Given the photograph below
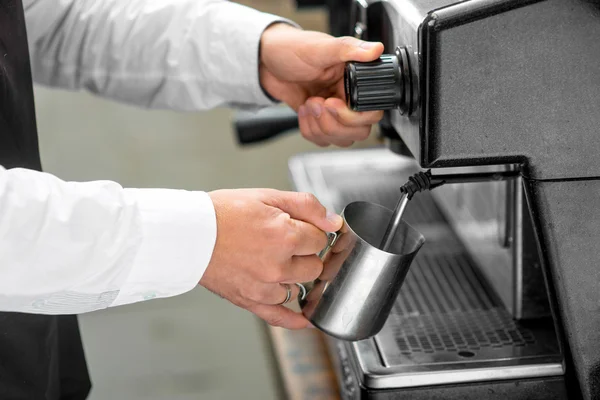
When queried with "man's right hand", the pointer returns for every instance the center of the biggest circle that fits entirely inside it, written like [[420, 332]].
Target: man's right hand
[[266, 238]]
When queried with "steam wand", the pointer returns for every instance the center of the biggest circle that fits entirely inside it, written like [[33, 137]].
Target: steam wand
[[426, 181]]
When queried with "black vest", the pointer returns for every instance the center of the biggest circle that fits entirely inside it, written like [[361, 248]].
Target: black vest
[[41, 357]]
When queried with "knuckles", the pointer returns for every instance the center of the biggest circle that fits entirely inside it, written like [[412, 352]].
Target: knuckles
[[308, 200], [291, 242], [315, 269], [253, 293], [270, 272], [275, 230], [330, 130], [348, 41], [274, 275]]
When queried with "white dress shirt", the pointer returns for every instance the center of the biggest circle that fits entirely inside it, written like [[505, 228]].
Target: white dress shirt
[[70, 247]]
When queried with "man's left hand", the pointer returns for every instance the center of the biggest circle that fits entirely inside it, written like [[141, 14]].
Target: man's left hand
[[305, 69]]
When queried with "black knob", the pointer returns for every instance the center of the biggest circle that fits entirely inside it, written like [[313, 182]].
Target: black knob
[[383, 84], [375, 85]]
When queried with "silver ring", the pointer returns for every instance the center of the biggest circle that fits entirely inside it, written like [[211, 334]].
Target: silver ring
[[288, 296], [302, 293]]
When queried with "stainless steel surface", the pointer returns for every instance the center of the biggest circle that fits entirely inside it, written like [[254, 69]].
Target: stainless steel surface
[[448, 325], [390, 232], [373, 374], [493, 222], [354, 295]]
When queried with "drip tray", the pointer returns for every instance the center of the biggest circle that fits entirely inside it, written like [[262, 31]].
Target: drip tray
[[446, 327]]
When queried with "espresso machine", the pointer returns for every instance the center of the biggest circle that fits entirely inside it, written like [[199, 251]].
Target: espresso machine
[[503, 301]]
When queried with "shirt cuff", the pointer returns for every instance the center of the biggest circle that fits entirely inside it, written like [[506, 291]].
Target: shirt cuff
[[271, 98], [242, 32], [179, 231]]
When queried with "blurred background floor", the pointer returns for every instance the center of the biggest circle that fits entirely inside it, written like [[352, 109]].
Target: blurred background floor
[[195, 346]]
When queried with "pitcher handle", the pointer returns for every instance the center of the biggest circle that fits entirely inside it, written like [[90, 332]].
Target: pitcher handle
[[331, 240], [306, 287]]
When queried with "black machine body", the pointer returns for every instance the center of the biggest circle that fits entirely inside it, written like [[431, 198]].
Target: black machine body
[[505, 82]]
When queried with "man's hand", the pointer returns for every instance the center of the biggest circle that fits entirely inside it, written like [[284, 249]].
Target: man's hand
[[306, 70], [266, 238]]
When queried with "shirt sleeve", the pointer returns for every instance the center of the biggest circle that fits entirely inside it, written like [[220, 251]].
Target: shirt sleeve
[[70, 247], [183, 55]]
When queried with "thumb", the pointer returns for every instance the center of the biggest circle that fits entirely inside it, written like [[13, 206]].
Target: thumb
[[335, 50], [306, 207]]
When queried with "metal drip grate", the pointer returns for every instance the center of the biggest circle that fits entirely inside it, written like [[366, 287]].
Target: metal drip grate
[[457, 332], [443, 307]]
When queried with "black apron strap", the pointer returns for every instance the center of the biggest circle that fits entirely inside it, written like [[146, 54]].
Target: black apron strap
[[29, 357], [73, 371], [41, 356]]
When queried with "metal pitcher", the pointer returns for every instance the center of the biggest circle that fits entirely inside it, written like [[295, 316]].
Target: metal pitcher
[[354, 295]]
